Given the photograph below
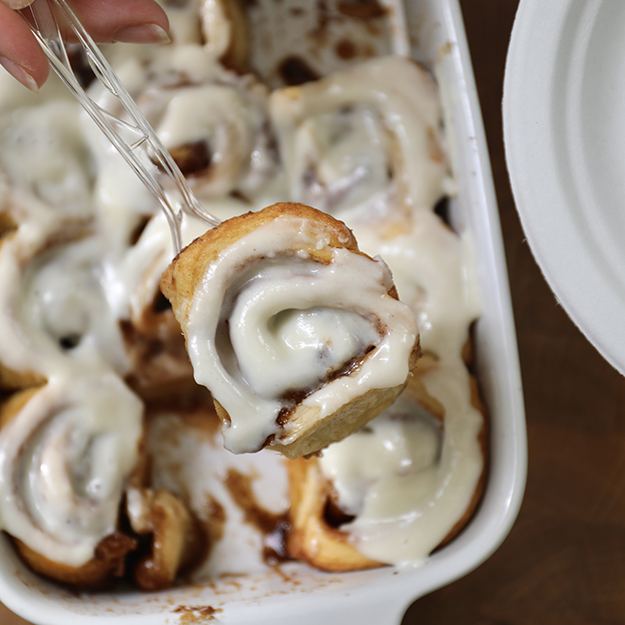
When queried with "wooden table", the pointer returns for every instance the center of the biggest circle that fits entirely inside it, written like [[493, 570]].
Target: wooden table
[[564, 561]]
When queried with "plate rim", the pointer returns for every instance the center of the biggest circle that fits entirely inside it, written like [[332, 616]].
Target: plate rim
[[527, 71]]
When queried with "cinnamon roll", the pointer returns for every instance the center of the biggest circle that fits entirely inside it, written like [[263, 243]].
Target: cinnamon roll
[[392, 493], [52, 299], [298, 335], [32, 140], [214, 123], [365, 142], [66, 452]]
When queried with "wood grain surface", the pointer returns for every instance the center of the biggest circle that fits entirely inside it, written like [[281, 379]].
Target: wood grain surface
[[564, 561]]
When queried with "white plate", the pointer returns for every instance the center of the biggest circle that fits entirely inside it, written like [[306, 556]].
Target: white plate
[[380, 596], [564, 119]]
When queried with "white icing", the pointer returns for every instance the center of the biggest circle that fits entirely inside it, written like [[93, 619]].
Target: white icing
[[247, 374], [216, 26], [406, 441], [306, 343], [64, 460], [362, 142], [423, 478], [52, 298], [42, 151]]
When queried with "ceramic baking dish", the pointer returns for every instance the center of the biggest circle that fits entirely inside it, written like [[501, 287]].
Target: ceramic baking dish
[[296, 593]]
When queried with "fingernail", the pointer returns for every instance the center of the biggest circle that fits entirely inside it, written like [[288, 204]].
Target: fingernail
[[17, 71], [145, 33]]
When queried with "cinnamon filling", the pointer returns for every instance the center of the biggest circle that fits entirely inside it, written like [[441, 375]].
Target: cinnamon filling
[[274, 527], [294, 70], [295, 397], [192, 158]]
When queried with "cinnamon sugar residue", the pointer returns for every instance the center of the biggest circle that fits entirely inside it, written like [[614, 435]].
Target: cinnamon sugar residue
[[195, 614], [273, 526], [362, 9], [294, 70], [215, 520], [345, 49]]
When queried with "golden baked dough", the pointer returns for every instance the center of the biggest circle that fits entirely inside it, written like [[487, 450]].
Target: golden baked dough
[[311, 538], [108, 563], [176, 540]]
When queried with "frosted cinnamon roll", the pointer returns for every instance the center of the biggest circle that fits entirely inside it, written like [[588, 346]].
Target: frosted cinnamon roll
[[66, 452], [363, 142], [298, 335], [51, 298], [43, 153], [214, 123], [392, 493]]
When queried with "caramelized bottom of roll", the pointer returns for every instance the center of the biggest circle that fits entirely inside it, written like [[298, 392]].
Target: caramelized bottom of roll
[[315, 539], [160, 367], [107, 564]]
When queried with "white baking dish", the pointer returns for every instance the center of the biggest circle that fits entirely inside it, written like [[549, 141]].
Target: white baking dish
[[377, 597]]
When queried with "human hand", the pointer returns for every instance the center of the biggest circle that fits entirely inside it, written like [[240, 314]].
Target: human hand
[[139, 21]]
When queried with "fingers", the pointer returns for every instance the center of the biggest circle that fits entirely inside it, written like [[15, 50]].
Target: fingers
[[18, 4], [139, 21], [20, 54]]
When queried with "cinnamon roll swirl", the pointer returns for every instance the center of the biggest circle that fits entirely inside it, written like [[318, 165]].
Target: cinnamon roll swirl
[[52, 298], [66, 452], [364, 142], [298, 335], [214, 123], [32, 140]]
